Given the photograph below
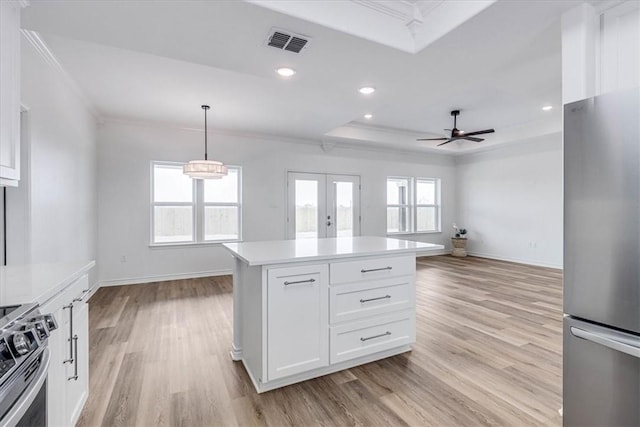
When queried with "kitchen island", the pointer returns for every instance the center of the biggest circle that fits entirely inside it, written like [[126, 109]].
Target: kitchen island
[[308, 307]]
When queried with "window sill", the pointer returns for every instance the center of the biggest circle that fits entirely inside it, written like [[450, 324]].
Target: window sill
[[410, 233], [190, 244]]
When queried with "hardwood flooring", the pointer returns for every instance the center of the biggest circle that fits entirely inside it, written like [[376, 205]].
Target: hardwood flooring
[[488, 352]]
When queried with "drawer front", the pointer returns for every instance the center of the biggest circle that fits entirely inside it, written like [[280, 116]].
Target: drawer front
[[367, 337], [360, 300], [372, 269]]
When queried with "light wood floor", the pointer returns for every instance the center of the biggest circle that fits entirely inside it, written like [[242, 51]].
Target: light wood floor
[[488, 352]]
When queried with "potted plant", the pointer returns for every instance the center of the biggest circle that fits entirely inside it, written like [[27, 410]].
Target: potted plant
[[459, 242]]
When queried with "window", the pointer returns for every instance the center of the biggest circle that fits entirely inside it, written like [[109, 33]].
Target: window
[[185, 210], [413, 205]]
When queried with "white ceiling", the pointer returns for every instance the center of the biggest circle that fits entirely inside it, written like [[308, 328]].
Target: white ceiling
[[159, 61]]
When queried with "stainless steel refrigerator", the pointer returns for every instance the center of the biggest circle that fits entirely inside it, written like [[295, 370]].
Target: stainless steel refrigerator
[[601, 349]]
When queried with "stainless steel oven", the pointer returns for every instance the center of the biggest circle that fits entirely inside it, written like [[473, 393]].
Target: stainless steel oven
[[24, 363]]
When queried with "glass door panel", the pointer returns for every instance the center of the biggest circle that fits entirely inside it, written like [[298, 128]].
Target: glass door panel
[[306, 202], [343, 219], [321, 205]]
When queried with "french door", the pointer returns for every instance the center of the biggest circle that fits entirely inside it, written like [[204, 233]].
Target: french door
[[322, 205]]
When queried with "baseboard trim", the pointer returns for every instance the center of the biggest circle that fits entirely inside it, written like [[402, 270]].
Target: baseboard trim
[[516, 260], [163, 278], [432, 253]]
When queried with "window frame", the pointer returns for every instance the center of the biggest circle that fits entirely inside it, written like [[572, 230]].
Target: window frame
[[198, 208], [412, 185], [408, 205], [436, 205]]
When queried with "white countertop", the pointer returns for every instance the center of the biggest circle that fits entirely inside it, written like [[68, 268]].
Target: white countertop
[[38, 282], [286, 251]]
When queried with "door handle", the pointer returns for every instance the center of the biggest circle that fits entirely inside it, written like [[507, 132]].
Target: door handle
[[75, 365], [607, 341], [70, 308]]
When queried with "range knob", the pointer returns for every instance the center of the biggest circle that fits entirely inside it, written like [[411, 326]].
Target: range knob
[[20, 343]]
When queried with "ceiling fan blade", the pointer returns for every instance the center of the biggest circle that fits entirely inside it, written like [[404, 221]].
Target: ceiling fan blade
[[446, 142], [470, 138], [431, 139], [479, 132]]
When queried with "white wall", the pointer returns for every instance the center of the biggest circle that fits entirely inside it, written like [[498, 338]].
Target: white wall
[[55, 203], [510, 200], [125, 151]]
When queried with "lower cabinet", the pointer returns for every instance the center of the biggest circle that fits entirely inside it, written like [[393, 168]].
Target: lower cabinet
[[68, 379], [298, 329]]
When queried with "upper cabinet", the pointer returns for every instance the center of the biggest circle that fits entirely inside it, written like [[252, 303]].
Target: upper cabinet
[[620, 40], [10, 92]]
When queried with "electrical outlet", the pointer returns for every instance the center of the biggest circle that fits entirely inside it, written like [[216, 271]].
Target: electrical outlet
[[123, 258]]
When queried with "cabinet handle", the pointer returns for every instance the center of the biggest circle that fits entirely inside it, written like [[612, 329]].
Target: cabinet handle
[[375, 269], [81, 297], [297, 282], [375, 299], [375, 336], [70, 308], [75, 365]]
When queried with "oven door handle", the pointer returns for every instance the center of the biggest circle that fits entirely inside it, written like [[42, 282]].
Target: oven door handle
[[23, 404]]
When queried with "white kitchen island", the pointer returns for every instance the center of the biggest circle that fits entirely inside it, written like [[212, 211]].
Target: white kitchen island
[[308, 307]]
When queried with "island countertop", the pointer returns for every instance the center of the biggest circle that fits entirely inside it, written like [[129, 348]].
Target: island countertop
[[299, 250], [37, 283]]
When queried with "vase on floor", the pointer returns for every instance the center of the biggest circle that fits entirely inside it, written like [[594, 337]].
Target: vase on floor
[[459, 246]]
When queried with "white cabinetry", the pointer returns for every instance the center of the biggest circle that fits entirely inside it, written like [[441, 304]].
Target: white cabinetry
[[9, 92], [309, 307], [68, 380], [372, 306], [297, 320], [620, 47]]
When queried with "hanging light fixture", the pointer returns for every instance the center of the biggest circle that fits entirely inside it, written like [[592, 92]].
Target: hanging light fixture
[[205, 169]]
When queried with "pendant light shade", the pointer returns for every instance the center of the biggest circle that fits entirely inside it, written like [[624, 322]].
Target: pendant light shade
[[205, 169]]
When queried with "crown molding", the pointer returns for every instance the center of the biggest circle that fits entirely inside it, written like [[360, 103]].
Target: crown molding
[[47, 54]]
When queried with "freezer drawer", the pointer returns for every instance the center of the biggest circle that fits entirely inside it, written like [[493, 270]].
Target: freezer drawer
[[601, 376]]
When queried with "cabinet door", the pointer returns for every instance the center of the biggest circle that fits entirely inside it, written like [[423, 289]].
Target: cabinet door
[[9, 91], [78, 373], [57, 376], [297, 320]]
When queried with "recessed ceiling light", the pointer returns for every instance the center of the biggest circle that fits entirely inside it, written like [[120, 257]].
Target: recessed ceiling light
[[368, 116], [367, 90], [286, 72], [547, 107]]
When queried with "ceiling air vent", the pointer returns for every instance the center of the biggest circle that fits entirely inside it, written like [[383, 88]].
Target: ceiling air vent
[[286, 40]]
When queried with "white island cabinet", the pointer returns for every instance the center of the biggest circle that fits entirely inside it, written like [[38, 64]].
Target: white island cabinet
[[306, 308]]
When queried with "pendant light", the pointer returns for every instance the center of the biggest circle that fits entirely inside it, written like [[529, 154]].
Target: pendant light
[[205, 169]]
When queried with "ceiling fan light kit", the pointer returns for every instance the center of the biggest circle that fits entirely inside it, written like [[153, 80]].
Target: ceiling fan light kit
[[205, 169], [457, 134]]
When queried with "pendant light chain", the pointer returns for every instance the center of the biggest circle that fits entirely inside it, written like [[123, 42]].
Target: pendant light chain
[[205, 108]]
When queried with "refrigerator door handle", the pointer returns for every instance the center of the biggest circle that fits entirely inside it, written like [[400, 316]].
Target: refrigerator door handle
[[607, 340]]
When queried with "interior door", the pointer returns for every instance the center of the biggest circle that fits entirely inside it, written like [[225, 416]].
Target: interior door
[[322, 205]]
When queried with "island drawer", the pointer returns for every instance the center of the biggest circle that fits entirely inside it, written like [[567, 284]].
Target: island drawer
[[371, 269], [362, 338], [360, 300]]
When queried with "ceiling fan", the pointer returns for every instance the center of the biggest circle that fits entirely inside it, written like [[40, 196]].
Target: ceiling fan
[[457, 134]]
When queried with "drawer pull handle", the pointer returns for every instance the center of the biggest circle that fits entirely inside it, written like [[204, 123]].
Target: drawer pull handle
[[375, 336], [375, 299], [297, 282], [375, 269]]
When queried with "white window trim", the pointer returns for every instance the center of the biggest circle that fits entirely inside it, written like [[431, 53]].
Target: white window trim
[[413, 206], [408, 206], [198, 206], [437, 205]]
